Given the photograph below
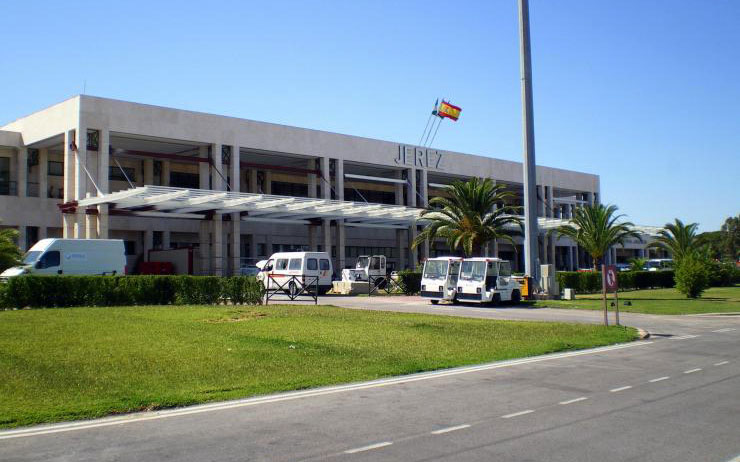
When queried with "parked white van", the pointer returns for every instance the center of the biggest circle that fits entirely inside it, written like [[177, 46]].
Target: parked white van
[[487, 280], [305, 266], [71, 257], [439, 279]]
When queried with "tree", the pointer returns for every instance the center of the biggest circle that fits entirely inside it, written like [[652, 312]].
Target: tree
[[475, 213], [10, 254], [595, 228], [731, 238], [679, 239], [637, 264], [692, 275]]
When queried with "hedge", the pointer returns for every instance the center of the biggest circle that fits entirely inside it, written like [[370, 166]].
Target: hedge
[[590, 282], [65, 291], [409, 281]]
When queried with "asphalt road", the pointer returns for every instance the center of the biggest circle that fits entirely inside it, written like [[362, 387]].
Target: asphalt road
[[674, 397]]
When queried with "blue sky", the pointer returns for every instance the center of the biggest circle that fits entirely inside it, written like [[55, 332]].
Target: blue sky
[[645, 93]]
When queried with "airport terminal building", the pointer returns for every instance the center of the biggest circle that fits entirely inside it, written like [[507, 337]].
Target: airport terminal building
[[237, 190]]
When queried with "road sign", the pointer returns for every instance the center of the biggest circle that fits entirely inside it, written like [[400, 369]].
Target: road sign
[[609, 276]]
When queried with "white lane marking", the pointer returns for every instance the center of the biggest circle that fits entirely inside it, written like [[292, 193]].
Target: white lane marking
[[659, 379], [289, 396], [691, 371], [369, 447], [517, 414], [575, 400], [614, 390], [721, 363], [450, 429], [726, 329], [684, 337]]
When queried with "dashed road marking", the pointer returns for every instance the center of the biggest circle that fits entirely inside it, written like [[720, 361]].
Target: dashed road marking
[[369, 447], [614, 390], [691, 371], [726, 329], [659, 379], [684, 337], [575, 400], [721, 363], [450, 429], [517, 414]]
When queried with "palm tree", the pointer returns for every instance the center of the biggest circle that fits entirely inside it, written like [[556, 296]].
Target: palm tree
[[637, 264], [595, 228], [679, 239], [10, 254], [475, 213]]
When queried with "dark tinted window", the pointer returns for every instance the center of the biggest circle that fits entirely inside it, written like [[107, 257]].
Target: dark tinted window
[[50, 259], [295, 264], [312, 264], [55, 168], [325, 264]]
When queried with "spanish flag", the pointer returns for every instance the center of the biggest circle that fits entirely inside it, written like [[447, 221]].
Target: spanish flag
[[448, 110]]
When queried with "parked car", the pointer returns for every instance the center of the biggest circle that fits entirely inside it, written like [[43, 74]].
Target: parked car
[[622, 267], [292, 270], [659, 264], [72, 256]]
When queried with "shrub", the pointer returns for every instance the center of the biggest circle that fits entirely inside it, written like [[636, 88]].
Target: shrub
[[721, 274], [409, 281], [590, 282], [65, 291], [692, 276]]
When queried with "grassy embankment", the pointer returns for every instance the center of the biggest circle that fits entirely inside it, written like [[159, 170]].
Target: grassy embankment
[[62, 364]]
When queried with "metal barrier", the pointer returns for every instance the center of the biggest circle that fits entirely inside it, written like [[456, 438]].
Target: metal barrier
[[293, 287], [384, 283]]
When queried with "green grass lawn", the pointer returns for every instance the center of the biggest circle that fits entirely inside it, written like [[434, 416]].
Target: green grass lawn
[[659, 301], [61, 364]]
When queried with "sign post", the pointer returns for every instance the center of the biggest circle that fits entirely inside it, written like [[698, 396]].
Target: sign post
[[609, 284]]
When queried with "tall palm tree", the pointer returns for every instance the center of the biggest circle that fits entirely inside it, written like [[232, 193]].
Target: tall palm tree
[[595, 228], [10, 254], [677, 238], [474, 214]]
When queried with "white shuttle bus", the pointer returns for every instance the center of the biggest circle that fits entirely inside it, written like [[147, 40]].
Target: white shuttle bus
[[72, 257], [487, 280], [278, 270], [439, 279]]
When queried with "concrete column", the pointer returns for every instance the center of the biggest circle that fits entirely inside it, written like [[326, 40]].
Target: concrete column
[[541, 202], [399, 188], [236, 243], [326, 177], [495, 248], [217, 169], [217, 247], [413, 254], [341, 243], [148, 243], [91, 226], [43, 179], [148, 171], [204, 238], [22, 166], [80, 180], [236, 223], [166, 170], [326, 232], [166, 240], [311, 165], [22, 238], [411, 187], [68, 219], [253, 186], [268, 182], [553, 252], [424, 190], [204, 170], [313, 242], [400, 239], [550, 202]]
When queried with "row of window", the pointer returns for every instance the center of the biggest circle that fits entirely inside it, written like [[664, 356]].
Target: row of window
[[294, 264]]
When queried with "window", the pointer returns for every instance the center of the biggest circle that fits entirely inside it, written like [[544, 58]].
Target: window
[[49, 260], [281, 264], [281, 188], [261, 248], [5, 176], [185, 180], [115, 174], [129, 247], [325, 265], [312, 264], [295, 264], [55, 168], [505, 269]]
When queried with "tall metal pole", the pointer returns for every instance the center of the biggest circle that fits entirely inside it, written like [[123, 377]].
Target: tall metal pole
[[531, 245]]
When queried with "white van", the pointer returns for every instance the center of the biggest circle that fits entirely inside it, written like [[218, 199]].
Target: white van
[[487, 280], [439, 279], [305, 266], [72, 256]]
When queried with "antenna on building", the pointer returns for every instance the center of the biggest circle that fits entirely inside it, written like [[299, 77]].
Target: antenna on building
[[84, 86]]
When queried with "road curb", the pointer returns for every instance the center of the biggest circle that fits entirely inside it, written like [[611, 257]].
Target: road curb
[[642, 333]]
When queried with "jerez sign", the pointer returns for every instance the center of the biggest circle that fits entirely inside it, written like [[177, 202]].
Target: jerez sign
[[419, 158]]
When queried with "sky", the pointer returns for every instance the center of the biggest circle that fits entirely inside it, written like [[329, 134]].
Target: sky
[[644, 93]]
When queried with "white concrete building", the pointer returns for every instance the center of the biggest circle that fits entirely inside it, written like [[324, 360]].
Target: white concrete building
[[89, 147]]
